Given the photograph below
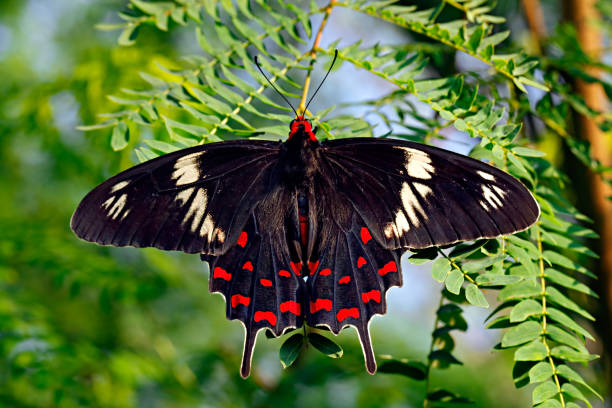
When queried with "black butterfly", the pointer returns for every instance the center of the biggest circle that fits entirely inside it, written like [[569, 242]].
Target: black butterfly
[[304, 231]]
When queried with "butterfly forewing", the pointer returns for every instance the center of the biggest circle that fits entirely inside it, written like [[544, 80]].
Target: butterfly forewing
[[193, 200], [415, 196]]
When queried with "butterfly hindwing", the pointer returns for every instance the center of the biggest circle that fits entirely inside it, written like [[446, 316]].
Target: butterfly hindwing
[[350, 272], [415, 196], [259, 281], [193, 200]]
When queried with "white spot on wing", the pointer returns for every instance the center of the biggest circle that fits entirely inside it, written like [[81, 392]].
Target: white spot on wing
[[108, 202], [423, 190], [220, 234], [491, 197], [117, 207], [499, 192], [486, 175], [184, 195], [207, 227], [196, 209], [412, 204], [119, 186], [417, 163], [388, 230], [401, 222], [186, 169]]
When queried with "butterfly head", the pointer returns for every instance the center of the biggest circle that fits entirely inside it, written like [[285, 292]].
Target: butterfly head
[[300, 125]]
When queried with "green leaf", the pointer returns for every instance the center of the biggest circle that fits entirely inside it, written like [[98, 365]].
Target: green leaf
[[454, 281], [551, 403], [102, 125], [475, 295], [423, 256], [120, 137], [544, 391], [524, 332], [527, 152], [451, 315], [477, 266], [519, 290], [571, 375], [290, 349], [567, 281], [557, 259], [562, 337], [525, 309], [463, 250], [128, 35], [440, 269], [520, 373], [475, 38], [443, 359], [560, 299], [410, 369], [534, 351], [446, 397], [494, 279], [325, 345], [568, 354], [540, 372], [161, 146], [571, 390], [567, 321]]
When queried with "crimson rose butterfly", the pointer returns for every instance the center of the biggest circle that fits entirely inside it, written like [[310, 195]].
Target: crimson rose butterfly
[[304, 231]]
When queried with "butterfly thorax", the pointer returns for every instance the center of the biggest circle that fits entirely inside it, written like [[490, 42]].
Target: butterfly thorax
[[298, 155]]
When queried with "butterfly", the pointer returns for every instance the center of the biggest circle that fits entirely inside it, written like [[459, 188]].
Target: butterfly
[[304, 231]]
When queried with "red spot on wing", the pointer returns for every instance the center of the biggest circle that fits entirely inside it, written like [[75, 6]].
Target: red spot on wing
[[248, 265], [344, 313], [389, 267], [320, 304], [242, 240], [365, 235], [361, 261], [285, 273], [344, 280], [297, 267], [269, 316], [291, 306], [371, 295], [240, 300], [304, 230], [221, 273], [265, 282], [312, 266], [325, 272]]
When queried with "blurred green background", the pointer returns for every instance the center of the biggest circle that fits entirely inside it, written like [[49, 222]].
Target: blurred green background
[[84, 325]]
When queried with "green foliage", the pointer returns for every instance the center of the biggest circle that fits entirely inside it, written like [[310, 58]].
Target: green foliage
[[539, 280]]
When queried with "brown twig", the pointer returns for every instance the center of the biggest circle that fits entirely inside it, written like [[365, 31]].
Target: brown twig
[[313, 55], [535, 21], [583, 14]]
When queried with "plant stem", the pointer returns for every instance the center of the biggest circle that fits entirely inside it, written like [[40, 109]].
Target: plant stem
[[431, 349], [313, 55], [543, 286]]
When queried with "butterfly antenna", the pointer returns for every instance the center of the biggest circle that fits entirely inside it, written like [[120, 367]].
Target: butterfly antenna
[[324, 78], [271, 84]]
